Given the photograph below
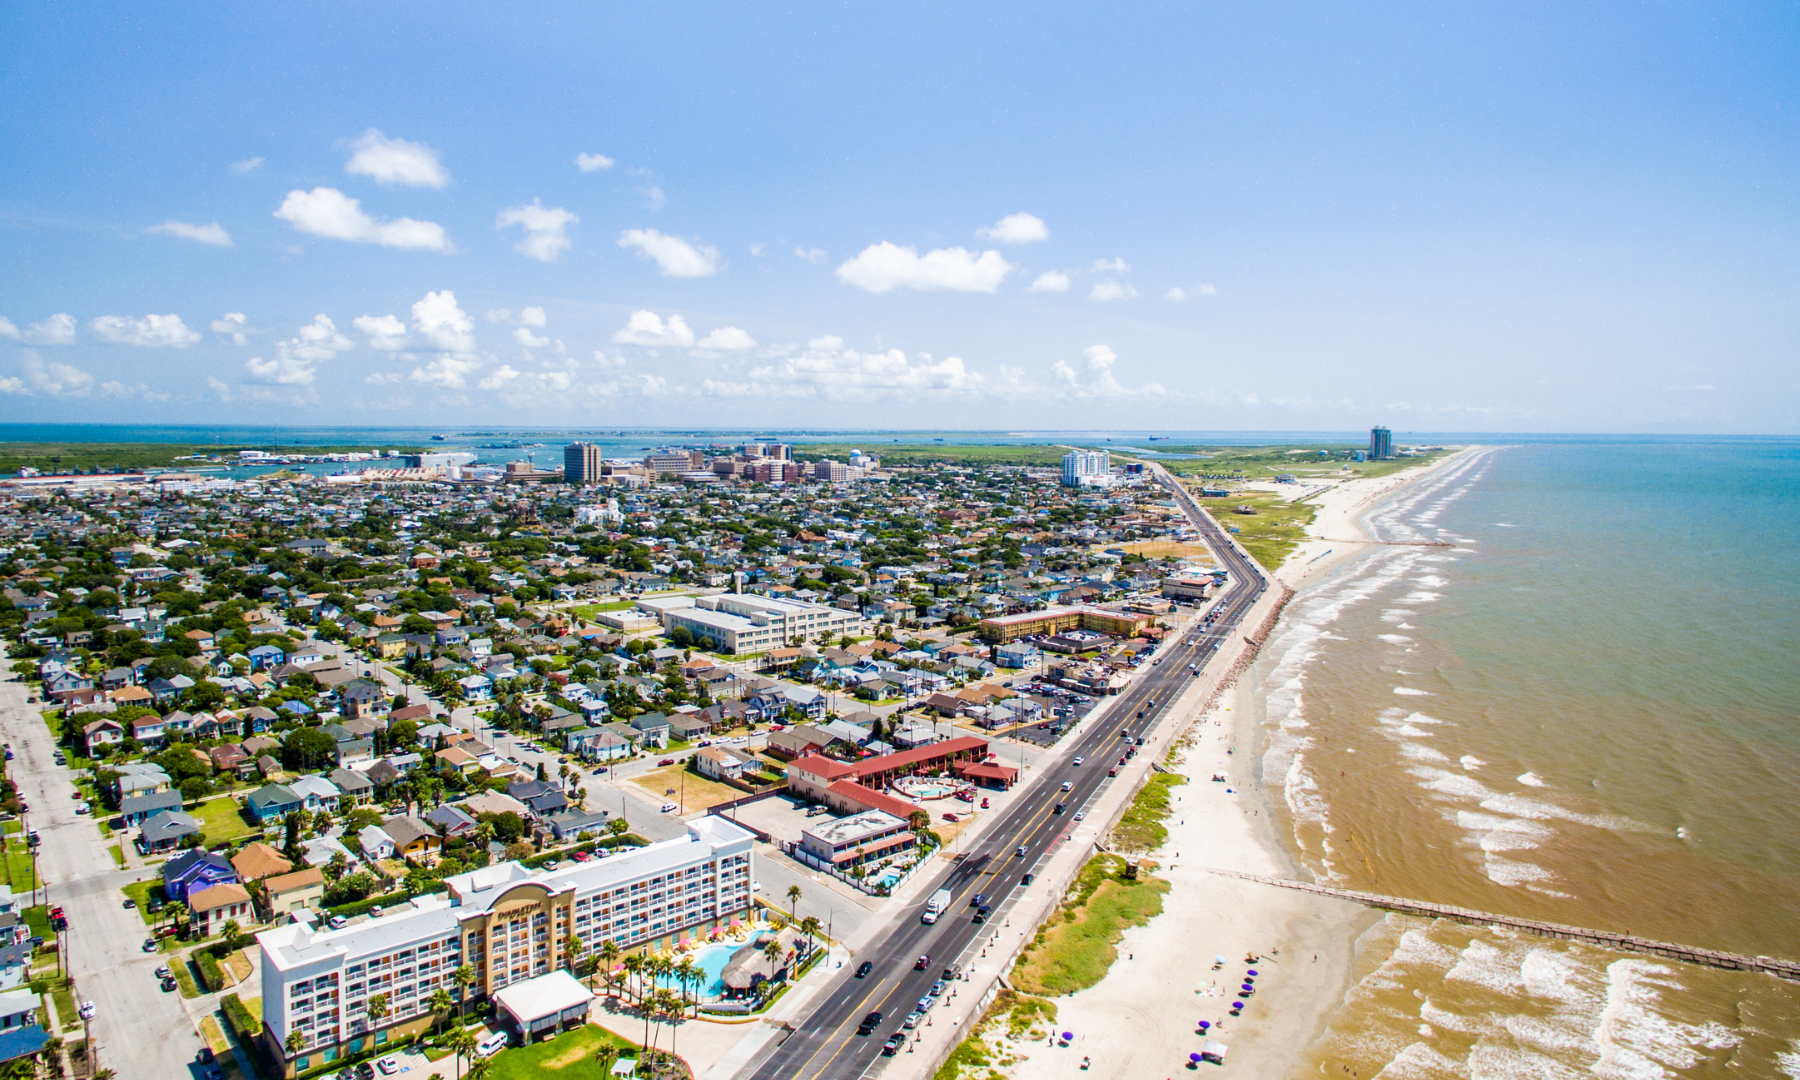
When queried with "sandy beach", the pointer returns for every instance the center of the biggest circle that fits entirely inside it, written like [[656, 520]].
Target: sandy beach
[[1143, 1019]]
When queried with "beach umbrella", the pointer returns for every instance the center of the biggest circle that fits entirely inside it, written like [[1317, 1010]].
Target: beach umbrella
[[1204, 1024], [1218, 959], [1252, 971], [1193, 1057], [1067, 1036]]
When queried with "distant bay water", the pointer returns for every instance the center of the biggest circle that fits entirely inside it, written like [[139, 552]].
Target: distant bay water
[[1584, 710]]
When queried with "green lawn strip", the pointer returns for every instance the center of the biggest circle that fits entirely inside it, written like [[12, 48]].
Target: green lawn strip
[[221, 820], [1140, 827], [588, 611], [143, 892], [118, 854], [18, 870], [569, 1055], [1075, 947], [184, 978], [13, 826], [37, 919]]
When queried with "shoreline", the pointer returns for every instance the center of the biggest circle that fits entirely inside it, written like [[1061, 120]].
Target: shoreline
[[1142, 1017]]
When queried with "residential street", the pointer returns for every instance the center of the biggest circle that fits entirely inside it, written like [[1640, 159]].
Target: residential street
[[139, 1030]]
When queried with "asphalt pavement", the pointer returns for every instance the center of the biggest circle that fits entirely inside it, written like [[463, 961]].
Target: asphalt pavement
[[824, 1045], [139, 1030]]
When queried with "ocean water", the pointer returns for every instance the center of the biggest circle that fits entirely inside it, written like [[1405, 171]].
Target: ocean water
[[1585, 708]]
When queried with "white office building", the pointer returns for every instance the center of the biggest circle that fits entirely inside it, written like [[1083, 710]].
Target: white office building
[[1082, 468], [736, 623], [508, 922]]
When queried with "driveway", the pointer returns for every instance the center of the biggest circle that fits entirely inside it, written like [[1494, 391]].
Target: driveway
[[138, 1029]]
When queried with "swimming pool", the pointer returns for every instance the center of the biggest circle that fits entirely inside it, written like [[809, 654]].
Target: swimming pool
[[711, 959], [886, 879], [925, 788]]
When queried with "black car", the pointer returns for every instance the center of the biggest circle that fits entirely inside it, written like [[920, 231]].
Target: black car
[[365, 1071], [863, 969], [1026, 880], [168, 985], [1059, 807], [869, 1023]]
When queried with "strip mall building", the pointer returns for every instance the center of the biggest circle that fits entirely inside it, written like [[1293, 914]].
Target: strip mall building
[[1055, 620]]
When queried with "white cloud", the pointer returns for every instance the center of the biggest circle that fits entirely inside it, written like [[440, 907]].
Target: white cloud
[[330, 213], [248, 165], [605, 360], [811, 255], [219, 388], [499, 314], [151, 331], [885, 266], [525, 337], [534, 316], [675, 256], [1098, 379], [593, 162], [727, 339], [648, 328], [385, 332], [231, 325], [1112, 290], [500, 377], [654, 199], [395, 161], [317, 340], [1020, 228], [58, 329], [546, 229], [443, 323], [50, 380], [830, 371], [447, 372], [124, 392], [1051, 281], [210, 233], [1111, 266], [7, 329], [1179, 293], [283, 370]]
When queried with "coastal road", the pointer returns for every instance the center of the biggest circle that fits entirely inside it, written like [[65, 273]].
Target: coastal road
[[824, 1044]]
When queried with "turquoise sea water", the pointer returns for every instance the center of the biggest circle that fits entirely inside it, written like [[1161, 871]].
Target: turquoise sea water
[[1586, 709]]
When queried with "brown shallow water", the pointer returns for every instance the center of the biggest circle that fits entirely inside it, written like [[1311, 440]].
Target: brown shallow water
[[1541, 721]]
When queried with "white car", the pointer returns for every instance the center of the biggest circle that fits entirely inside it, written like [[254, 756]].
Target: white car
[[82, 808], [669, 808], [388, 1066], [1078, 761], [1068, 784]]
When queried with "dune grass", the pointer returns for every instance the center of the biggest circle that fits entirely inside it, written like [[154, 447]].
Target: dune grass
[[1075, 947]]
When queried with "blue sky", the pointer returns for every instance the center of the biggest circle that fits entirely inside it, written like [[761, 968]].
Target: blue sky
[[1522, 217]]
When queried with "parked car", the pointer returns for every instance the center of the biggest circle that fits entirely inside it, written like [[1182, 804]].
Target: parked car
[[912, 1020], [388, 1066], [82, 807], [164, 972], [669, 808], [168, 985], [893, 1044], [149, 944], [863, 969], [665, 761]]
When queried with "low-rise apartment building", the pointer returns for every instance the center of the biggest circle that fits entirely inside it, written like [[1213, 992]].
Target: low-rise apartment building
[[508, 922], [736, 623]]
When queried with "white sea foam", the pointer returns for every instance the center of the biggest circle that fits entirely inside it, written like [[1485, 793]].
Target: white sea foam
[[1408, 691], [1788, 1061], [1471, 762], [1531, 779], [1395, 639], [1637, 1041]]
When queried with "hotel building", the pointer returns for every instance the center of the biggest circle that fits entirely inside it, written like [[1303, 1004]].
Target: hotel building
[[507, 922]]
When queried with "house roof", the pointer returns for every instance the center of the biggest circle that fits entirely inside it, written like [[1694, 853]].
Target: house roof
[[217, 896], [168, 825], [258, 861], [294, 882]]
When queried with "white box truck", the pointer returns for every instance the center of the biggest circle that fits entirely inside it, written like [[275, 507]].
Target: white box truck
[[937, 905]]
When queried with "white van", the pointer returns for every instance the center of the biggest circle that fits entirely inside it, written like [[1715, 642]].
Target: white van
[[492, 1043]]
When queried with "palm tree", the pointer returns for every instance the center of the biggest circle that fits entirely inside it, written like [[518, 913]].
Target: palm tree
[[571, 951], [480, 1067], [376, 1008], [669, 1004], [463, 977], [441, 1004], [462, 1044], [690, 974], [793, 895], [810, 927], [605, 1057], [633, 965], [609, 956], [296, 1041]]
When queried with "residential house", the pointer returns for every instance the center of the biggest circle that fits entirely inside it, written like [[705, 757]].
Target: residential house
[[231, 758], [165, 830], [459, 759], [689, 726], [476, 688], [272, 802], [136, 809], [572, 823], [652, 728], [15, 965], [214, 906], [376, 843], [148, 731], [102, 733], [297, 891], [193, 871], [257, 861], [411, 837], [544, 797], [453, 820], [265, 658], [20, 1032], [719, 763], [365, 699], [598, 744], [797, 741], [354, 788]]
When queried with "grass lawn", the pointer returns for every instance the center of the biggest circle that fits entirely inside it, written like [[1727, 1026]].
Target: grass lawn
[[1162, 549], [37, 919], [569, 1055], [142, 891], [1140, 827], [220, 820], [118, 855], [1075, 947], [1269, 535], [18, 868], [64, 995], [693, 792], [588, 611], [13, 826], [184, 977]]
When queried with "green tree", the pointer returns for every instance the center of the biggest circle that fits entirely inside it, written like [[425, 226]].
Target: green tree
[[441, 1004], [609, 962], [376, 1007], [793, 895], [463, 977]]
